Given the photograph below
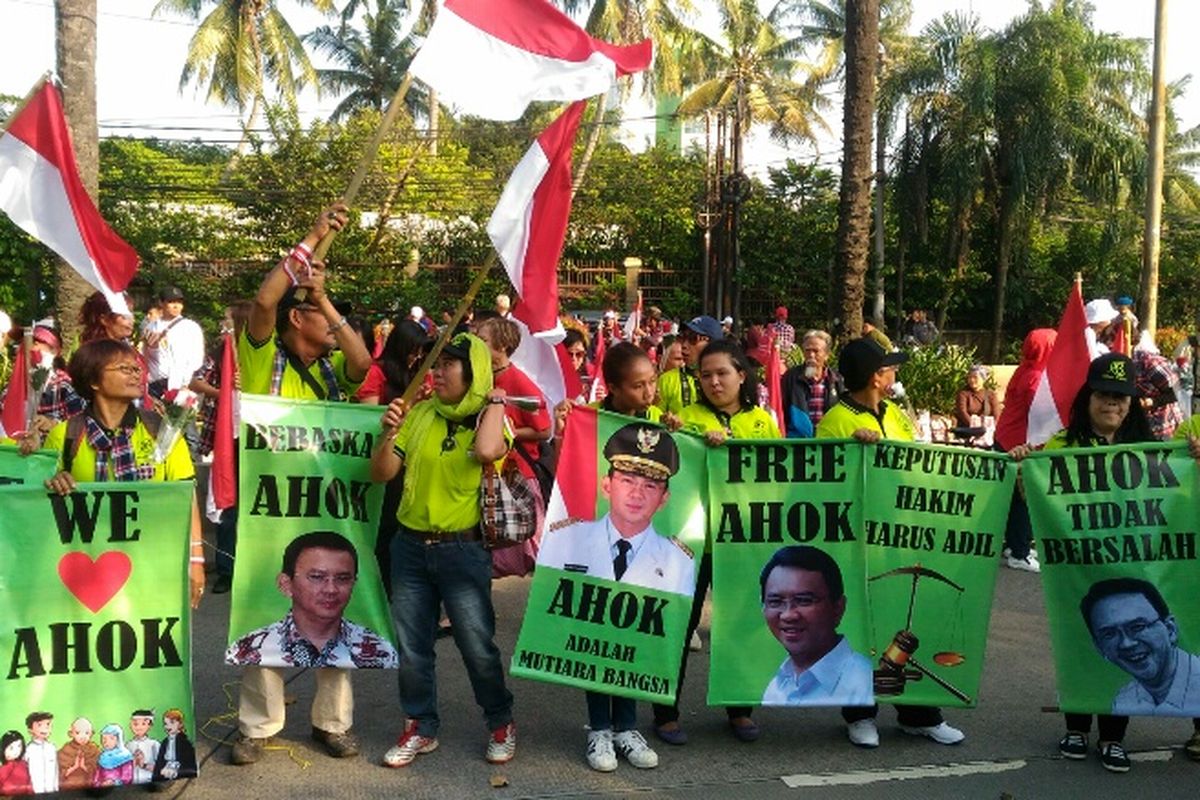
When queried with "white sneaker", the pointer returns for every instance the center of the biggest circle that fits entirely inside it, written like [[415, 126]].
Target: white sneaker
[[1027, 564], [863, 733], [1006, 552], [694, 644], [410, 745], [637, 752], [600, 754], [940, 733]]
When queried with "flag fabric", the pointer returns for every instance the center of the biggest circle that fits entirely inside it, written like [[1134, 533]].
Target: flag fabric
[[547, 365], [491, 58], [1066, 371], [1120, 342], [634, 321], [598, 390], [774, 380], [224, 474], [14, 417], [42, 193]]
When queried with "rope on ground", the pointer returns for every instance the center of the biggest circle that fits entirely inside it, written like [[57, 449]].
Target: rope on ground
[[228, 717]]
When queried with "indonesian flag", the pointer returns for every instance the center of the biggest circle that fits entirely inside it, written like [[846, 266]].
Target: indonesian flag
[[527, 229], [635, 319], [224, 474], [491, 58], [1066, 371], [599, 390], [41, 192], [774, 381], [1120, 343], [14, 417]]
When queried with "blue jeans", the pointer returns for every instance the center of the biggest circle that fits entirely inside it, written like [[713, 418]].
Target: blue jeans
[[609, 712], [457, 575]]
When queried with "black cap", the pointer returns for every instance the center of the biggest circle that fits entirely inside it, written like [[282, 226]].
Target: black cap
[[645, 450], [861, 358], [706, 326], [459, 347], [1112, 372], [170, 293], [294, 296]]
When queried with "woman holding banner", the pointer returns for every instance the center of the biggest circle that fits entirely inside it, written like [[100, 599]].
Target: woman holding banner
[[114, 441], [438, 556], [1104, 412], [726, 409]]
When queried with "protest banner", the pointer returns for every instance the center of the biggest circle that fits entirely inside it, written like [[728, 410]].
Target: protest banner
[[33, 469], [933, 528], [305, 472], [608, 608], [1117, 532], [794, 506], [94, 588]]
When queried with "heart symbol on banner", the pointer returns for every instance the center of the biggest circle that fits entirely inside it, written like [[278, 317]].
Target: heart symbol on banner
[[94, 583]]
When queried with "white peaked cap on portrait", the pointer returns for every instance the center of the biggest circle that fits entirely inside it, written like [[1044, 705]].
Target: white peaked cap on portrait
[[1101, 310]]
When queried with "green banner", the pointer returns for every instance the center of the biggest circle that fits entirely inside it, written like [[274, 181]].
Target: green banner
[[34, 469], [305, 497], [788, 512], [94, 588], [1117, 532], [933, 527], [583, 625]]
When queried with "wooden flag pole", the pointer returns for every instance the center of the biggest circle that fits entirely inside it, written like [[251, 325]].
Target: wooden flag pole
[[368, 158], [415, 384]]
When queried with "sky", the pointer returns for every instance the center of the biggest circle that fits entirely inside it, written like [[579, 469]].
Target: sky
[[139, 59]]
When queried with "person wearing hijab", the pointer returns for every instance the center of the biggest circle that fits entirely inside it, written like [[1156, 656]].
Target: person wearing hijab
[[115, 765]]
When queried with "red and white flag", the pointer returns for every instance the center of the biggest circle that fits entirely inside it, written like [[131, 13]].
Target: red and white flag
[[41, 192], [14, 416], [1066, 371], [491, 58], [224, 452], [635, 319]]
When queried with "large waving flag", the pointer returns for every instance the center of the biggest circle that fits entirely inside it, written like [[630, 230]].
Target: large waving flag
[[1066, 371], [491, 58], [41, 192]]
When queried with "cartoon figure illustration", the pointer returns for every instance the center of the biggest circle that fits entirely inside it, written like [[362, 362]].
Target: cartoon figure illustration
[[176, 755], [77, 758], [114, 767], [144, 749], [40, 753], [14, 772]]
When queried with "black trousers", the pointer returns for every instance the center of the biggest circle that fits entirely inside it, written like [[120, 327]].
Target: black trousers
[[1111, 728]]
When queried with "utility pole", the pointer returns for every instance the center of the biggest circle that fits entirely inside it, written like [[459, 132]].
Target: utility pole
[[1152, 235]]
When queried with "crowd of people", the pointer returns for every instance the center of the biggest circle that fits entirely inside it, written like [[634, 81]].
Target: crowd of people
[[101, 411]]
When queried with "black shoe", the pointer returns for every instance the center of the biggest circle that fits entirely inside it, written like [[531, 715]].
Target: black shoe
[[1113, 757], [444, 631], [1074, 745], [222, 584]]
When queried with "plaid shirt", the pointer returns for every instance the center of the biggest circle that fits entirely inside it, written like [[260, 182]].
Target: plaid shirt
[[785, 335], [206, 420], [59, 400], [1156, 379], [816, 399]]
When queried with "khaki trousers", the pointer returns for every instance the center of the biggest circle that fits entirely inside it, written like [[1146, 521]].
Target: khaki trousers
[[260, 702]]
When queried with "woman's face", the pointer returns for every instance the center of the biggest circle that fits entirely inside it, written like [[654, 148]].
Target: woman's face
[[13, 751], [108, 741], [720, 380], [121, 379], [974, 381], [1107, 411], [635, 391], [448, 382], [117, 326]]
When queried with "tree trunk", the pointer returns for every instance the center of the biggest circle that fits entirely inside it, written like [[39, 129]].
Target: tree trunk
[[1151, 236], [589, 149], [385, 211], [434, 112], [854, 204], [1007, 224], [958, 249], [75, 29], [881, 127]]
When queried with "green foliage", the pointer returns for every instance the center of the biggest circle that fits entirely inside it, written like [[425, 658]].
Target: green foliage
[[933, 376]]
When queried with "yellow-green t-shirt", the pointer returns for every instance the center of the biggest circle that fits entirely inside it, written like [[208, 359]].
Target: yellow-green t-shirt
[[441, 483], [653, 413], [1189, 427], [677, 389], [749, 423], [177, 467], [256, 363], [846, 416]]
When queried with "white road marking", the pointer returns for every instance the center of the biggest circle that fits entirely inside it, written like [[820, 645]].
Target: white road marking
[[868, 776], [1165, 754]]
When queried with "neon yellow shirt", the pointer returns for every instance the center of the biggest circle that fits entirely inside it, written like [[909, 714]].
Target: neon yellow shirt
[[749, 423], [671, 390], [653, 413], [1189, 427], [177, 467], [256, 362], [846, 416]]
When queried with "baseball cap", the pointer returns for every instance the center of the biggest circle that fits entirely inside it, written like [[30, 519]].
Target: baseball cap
[[861, 358], [705, 326], [170, 293], [781, 312], [1112, 372]]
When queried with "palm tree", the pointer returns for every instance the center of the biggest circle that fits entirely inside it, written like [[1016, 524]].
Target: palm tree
[[854, 216], [75, 45], [371, 62], [239, 46]]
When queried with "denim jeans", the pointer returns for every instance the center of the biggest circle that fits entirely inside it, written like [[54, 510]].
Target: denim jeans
[[457, 575], [609, 712]]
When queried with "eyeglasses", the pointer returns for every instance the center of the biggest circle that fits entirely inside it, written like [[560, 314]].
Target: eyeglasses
[[125, 369], [1111, 634], [778, 603], [340, 579]]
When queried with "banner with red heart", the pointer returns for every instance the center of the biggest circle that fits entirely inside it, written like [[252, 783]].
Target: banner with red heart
[[94, 583]]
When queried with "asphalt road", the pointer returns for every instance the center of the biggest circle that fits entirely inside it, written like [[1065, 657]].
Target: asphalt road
[[1010, 750]]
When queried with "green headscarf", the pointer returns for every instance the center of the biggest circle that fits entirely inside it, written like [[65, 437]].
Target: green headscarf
[[481, 380]]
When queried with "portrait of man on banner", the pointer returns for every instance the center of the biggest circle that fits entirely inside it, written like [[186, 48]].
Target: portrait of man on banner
[[1133, 629], [803, 602], [623, 545], [318, 574]]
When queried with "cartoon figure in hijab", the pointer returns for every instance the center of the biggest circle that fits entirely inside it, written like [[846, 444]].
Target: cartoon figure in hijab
[[115, 765]]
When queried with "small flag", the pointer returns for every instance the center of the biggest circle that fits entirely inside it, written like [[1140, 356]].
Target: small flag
[[224, 472], [1066, 371]]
